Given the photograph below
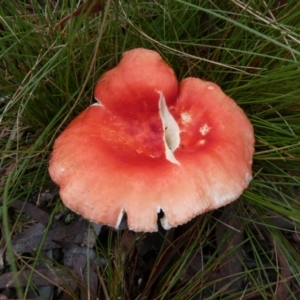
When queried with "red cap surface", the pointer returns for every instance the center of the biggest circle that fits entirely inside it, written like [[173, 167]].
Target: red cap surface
[[131, 88], [152, 146]]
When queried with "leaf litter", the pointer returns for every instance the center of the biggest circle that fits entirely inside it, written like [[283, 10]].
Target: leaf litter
[[69, 256]]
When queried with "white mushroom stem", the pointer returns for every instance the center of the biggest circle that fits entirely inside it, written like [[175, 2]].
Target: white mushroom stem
[[171, 129]]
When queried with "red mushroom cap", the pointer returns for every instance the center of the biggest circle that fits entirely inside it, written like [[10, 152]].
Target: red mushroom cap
[[149, 147], [131, 88]]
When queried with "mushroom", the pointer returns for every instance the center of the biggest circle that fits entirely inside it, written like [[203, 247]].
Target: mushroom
[[150, 145]]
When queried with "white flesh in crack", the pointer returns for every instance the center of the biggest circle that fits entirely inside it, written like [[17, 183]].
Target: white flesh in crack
[[171, 129]]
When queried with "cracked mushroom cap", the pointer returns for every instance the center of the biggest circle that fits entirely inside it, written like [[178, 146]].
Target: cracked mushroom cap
[[151, 145]]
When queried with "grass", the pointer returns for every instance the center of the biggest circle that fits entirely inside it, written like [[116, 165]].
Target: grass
[[251, 49]]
